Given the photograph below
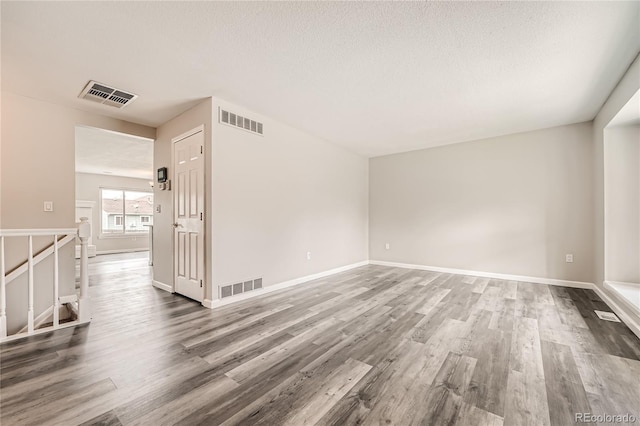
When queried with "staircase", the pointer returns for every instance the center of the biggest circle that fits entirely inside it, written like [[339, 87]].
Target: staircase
[[66, 310]]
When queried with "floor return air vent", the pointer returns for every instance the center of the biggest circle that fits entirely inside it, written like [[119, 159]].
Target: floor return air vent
[[241, 287], [607, 316], [106, 95]]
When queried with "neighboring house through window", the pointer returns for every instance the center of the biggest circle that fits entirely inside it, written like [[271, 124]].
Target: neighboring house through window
[[125, 211]]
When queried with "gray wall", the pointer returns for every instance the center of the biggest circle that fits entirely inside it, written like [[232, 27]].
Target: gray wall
[[281, 195], [88, 189], [626, 88], [38, 159], [38, 164], [622, 204], [17, 290], [162, 157], [271, 199], [514, 204]]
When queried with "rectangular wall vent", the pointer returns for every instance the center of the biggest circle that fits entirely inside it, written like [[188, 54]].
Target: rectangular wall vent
[[238, 288], [103, 94], [226, 291], [240, 122]]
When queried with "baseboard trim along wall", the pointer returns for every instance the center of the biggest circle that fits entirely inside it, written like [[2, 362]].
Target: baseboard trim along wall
[[121, 251], [211, 304], [632, 321], [536, 280], [630, 298], [162, 286]]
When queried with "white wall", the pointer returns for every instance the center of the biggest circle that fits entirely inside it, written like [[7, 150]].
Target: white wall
[[278, 196], [88, 189], [622, 204], [626, 88], [514, 205]]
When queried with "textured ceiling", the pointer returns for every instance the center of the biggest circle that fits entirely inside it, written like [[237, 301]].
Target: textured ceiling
[[376, 77], [102, 152]]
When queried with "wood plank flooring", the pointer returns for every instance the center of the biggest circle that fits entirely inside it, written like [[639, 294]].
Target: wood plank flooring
[[373, 345]]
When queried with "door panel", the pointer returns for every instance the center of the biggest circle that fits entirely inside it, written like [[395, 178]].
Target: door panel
[[188, 216]]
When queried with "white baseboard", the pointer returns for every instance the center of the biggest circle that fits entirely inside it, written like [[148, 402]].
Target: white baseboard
[[211, 304], [162, 286], [626, 315], [632, 321], [121, 251], [618, 289], [537, 280]]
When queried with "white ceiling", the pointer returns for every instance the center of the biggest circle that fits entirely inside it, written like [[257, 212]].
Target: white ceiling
[[103, 152], [376, 77]]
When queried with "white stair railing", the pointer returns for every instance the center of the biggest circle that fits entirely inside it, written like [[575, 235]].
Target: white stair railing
[[84, 303], [61, 237], [3, 293]]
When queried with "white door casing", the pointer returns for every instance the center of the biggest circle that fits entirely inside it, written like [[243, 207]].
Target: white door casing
[[188, 214]]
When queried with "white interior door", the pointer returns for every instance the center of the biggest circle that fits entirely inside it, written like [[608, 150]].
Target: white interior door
[[188, 195]]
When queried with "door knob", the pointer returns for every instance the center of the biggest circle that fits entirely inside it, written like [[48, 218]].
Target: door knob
[[175, 225]]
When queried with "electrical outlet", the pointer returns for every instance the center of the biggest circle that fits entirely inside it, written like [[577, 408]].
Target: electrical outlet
[[569, 258], [48, 206], [308, 255], [387, 246], [158, 208]]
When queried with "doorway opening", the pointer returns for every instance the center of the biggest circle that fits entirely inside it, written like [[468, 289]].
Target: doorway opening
[[114, 190]]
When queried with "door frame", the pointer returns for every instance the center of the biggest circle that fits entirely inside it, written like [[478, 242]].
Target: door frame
[[203, 244]]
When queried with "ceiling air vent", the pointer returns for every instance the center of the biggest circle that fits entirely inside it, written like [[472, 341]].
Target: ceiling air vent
[[240, 122], [103, 94]]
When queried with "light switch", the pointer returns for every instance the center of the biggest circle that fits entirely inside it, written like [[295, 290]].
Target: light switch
[[48, 206]]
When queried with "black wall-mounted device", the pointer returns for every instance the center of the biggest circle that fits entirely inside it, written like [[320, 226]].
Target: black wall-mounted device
[[162, 175]]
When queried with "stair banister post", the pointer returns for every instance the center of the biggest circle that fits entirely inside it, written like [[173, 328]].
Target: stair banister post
[[30, 314], [3, 293], [56, 283], [84, 303]]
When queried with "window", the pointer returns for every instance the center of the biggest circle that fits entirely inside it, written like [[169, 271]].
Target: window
[[125, 212]]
